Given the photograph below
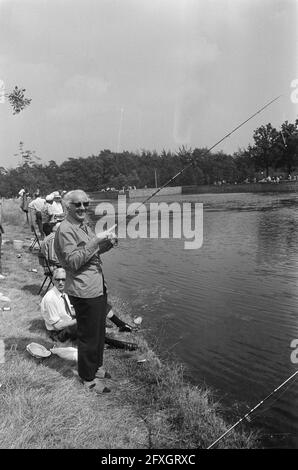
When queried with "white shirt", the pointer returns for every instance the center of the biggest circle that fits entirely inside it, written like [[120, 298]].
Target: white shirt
[[37, 204], [57, 208], [53, 308], [46, 212]]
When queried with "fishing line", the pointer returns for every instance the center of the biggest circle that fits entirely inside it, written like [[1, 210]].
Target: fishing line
[[207, 151], [283, 434], [251, 411], [259, 413]]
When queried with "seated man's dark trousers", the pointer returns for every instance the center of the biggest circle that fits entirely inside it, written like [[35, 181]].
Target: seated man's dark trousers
[[91, 323], [68, 333]]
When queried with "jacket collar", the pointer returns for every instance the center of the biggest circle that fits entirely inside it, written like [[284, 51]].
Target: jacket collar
[[78, 227]]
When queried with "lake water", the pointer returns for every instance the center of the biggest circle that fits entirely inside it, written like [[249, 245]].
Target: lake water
[[229, 310]]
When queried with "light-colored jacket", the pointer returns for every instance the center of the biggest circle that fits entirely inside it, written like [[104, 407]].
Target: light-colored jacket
[[78, 253]]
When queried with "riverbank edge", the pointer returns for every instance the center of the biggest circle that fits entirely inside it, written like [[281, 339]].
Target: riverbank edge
[[265, 187], [152, 405]]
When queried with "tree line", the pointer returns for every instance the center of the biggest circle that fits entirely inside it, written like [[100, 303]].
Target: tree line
[[273, 151]]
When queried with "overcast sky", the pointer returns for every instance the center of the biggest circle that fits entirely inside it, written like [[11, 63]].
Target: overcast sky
[[143, 74]]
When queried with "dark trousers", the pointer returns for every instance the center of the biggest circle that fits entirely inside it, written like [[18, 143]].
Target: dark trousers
[[91, 324], [68, 333], [39, 223]]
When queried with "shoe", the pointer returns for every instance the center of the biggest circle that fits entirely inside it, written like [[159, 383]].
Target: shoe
[[95, 386], [121, 324], [101, 373]]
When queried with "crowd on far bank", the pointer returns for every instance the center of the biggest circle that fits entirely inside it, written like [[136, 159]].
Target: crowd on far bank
[[262, 179]]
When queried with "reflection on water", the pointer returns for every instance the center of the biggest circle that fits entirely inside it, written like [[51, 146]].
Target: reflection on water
[[228, 310]]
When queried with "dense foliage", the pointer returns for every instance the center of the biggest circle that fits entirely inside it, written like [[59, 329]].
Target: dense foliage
[[273, 152], [17, 100]]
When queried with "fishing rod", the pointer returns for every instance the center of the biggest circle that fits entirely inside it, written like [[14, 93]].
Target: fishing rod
[[206, 152], [251, 410], [209, 150]]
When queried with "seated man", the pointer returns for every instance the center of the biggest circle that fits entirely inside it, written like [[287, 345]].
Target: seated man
[[57, 311], [59, 315]]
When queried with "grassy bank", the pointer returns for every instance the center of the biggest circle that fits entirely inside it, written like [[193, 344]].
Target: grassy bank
[[42, 404]]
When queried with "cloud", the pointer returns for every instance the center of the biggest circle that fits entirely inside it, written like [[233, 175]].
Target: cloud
[[175, 66], [195, 53], [85, 87], [79, 97]]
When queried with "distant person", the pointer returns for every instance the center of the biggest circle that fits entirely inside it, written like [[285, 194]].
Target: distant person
[[35, 208], [24, 202], [46, 212], [63, 193], [78, 250], [57, 207]]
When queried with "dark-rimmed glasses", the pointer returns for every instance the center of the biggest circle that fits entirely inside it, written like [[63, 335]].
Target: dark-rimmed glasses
[[59, 279], [79, 204]]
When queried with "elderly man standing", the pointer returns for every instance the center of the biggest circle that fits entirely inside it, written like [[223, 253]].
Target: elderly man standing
[[78, 250]]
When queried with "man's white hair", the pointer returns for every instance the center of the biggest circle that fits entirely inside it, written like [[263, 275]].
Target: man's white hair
[[68, 198], [57, 270]]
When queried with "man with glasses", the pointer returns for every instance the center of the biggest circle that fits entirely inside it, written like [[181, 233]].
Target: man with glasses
[[78, 250], [57, 311]]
